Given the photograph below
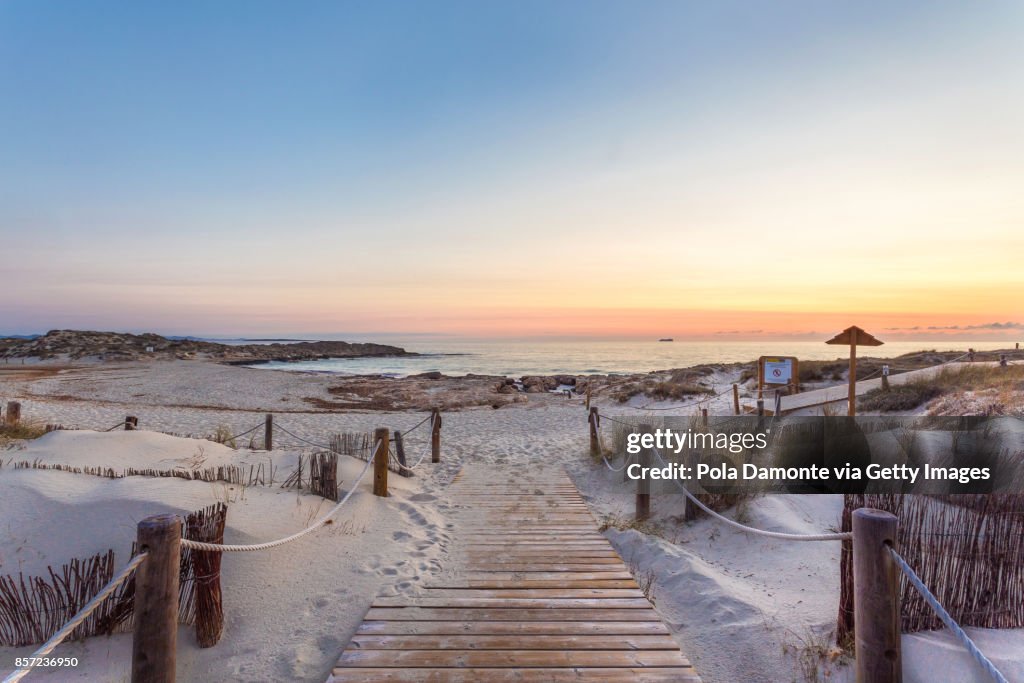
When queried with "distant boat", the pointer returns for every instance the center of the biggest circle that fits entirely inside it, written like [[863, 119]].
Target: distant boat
[[667, 339]]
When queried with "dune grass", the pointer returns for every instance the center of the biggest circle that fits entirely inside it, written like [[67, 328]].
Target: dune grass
[[1008, 381]]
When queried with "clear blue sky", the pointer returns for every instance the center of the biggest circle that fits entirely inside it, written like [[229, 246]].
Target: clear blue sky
[[225, 167]]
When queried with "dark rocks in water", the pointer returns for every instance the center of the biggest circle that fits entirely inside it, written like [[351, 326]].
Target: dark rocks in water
[[429, 375], [536, 383]]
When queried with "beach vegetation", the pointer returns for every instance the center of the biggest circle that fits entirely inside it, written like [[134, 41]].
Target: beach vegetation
[[23, 430], [817, 658], [223, 435], [1005, 383], [899, 398]]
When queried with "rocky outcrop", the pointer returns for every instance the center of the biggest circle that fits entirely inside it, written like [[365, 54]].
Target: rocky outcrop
[[77, 344]]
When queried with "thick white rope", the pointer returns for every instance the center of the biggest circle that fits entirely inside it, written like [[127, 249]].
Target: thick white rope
[[426, 450], [600, 446], [751, 530], [90, 607], [933, 602], [216, 547]]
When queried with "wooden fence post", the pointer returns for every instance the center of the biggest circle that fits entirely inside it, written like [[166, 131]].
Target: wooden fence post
[[595, 443], [736, 398], [704, 417], [400, 453], [876, 598], [382, 437], [13, 413], [851, 409], [643, 485], [268, 432], [760, 407], [131, 423], [589, 385], [435, 435], [154, 644]]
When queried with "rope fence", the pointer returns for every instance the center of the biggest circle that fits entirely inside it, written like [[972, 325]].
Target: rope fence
[[90, 607], [216, 547], [872, 536], [954, 627], [161, 538], [410, 468], [749, 529], [245, 433]]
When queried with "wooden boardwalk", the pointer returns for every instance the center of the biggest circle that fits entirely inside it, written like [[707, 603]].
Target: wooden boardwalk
[[541, 596], [840, 392]]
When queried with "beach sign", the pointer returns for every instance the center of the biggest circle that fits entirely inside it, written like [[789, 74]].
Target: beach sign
[[853, 336], [777, 370]]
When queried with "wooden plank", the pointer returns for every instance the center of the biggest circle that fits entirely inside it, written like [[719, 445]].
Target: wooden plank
[[496, 628], [511, 658], [535, 675], [515, 603], [591, 565], [499, 614], [513, 642], [546, 583], [536, 593], [615, 573]]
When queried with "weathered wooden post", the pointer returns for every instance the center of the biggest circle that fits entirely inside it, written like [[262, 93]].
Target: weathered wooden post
[[13, 414], [268, 432], [589, 385], [400, 453], [131, 423], [760, 407], [704, 417], [643, 485], [154, 644], [876, 598], [435, 435], [595, 442], [1002, 360], [736, 398], [381, 436]]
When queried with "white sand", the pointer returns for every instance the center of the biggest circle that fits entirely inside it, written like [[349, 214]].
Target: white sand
[[741, 607]]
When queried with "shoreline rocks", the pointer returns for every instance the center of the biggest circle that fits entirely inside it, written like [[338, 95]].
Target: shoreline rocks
[[119, 346]]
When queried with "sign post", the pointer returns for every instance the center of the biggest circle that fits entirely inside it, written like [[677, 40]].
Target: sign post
[[783, 370], [852, 336]]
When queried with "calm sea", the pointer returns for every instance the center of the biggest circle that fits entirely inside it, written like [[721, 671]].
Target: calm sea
[[514, 358]]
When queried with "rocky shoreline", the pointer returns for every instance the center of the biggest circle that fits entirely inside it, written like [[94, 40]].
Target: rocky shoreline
[[119, 346]]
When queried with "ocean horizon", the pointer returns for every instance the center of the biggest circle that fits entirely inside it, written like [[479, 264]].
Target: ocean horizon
[[514, 358]]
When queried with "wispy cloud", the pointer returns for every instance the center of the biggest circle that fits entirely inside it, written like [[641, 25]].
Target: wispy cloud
[[984, 326]]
